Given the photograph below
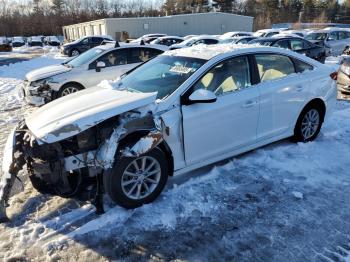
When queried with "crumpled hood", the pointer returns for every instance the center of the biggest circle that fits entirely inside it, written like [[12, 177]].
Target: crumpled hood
[[72, 114], [46, 71]]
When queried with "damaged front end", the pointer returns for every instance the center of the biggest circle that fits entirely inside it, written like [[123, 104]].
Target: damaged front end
[[37, 93], [71, 166]]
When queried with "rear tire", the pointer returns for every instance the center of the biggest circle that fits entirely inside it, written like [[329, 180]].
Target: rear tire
[[134, 181], [309, 123], [68, 89]]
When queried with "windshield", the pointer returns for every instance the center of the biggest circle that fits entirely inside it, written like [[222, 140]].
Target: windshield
[[85, 57], [163, 74], [316, 36]]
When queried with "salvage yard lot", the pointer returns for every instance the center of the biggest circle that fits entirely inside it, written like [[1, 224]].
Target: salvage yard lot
[[282, 202]]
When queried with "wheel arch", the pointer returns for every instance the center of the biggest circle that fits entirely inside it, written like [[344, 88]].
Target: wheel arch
[[56, 92], [135, 136], [316, 101]]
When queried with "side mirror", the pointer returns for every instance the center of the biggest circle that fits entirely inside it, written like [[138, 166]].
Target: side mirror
[[100, 65], [202, 96]]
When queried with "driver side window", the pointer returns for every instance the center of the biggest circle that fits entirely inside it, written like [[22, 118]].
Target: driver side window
[[114, 58], [229, 76]]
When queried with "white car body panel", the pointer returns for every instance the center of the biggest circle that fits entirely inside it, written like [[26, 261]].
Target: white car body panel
[[46, 72], [249, 118], [70, 115]]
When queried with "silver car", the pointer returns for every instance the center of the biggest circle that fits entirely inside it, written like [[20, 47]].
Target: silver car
[[104, 62], [337, 40]]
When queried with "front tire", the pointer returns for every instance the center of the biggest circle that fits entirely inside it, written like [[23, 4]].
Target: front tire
[[309, 124], [134, 181], [68, 89]]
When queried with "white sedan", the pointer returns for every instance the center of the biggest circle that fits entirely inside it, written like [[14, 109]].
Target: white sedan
[[104, 62], [182, 110]]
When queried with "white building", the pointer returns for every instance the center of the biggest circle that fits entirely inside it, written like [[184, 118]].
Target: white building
[[200, 23]]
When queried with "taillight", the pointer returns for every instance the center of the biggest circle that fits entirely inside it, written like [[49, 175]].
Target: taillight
[[334, 75]]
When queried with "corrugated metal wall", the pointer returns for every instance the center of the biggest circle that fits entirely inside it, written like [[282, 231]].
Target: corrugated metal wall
[[181, 25]]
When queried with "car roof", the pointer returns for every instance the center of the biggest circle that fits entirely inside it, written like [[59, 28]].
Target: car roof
[[207, 52], [108, 47]]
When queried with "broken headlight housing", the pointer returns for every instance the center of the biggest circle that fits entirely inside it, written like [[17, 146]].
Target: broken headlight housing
[[40, 83]]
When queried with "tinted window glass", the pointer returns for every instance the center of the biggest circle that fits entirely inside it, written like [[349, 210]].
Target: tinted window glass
[[113, 58], [282, 44], [343, 35], [140, 55], [85, 41], [333, 36], [226, 77], [210, 41], [296, 44], [273, 66], [301, 66], [96, 40]]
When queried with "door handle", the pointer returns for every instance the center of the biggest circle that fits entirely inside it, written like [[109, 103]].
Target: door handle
[[249, 104]]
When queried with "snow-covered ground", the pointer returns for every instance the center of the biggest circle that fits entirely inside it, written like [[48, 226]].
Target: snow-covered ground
[[283, 202]]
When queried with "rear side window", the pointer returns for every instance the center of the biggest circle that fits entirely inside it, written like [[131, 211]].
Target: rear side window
[[273, 66], [210, 41], [96, 40], [343, 35], [301, 66]]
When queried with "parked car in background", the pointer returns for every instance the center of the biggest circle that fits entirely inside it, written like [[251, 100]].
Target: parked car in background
[[5, 45], [18, 41], [104, 62], [343, 79], [337, 40], [237, 40], [52, 41], [222, 101], [83, 44], [189, 36], [196, 40], [35, 41], [235, 34], [293, 33], [268, 32], [146, 38], [167, 40], [295, 44]]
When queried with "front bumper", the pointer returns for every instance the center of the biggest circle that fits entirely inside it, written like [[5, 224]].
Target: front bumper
[[8, 157], [35, 98]]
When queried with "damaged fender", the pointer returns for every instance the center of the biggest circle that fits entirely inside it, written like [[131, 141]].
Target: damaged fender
[[106, 155]]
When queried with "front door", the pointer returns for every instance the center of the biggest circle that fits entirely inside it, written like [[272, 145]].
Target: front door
[[228, 123]]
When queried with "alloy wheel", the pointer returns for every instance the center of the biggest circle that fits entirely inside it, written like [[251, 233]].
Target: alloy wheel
[[141, 177], [310, 123], [69, 90]]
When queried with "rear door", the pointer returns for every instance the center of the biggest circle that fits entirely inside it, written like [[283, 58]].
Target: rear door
[[282, 93]]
